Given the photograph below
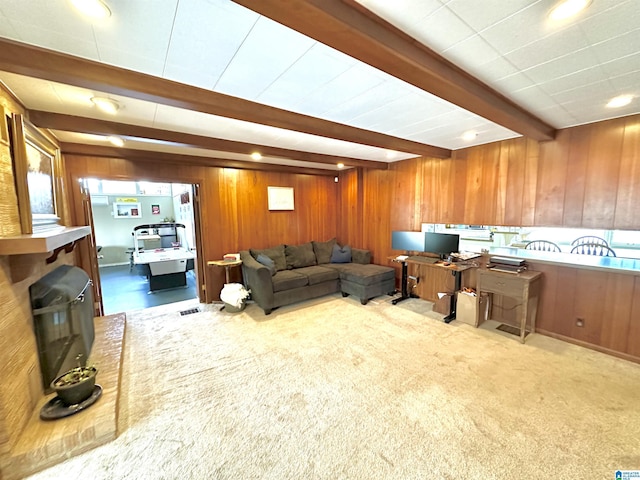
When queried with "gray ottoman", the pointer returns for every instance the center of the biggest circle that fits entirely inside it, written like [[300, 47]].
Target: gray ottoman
[[366, 281]]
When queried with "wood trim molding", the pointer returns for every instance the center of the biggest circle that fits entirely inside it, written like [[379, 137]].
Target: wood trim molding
[[70, 123], [352, 29], [46, 64], [180, 159]]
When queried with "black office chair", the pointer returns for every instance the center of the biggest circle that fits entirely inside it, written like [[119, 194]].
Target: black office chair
[[589, 239], [593, 249], [543, 246]]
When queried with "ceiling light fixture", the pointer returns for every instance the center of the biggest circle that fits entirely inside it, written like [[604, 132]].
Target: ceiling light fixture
[[117, 141], [469, 136], [391, 154], [106, 105], [568, 8], [341, 165], [620, 101], [256, 156], [92, 8]]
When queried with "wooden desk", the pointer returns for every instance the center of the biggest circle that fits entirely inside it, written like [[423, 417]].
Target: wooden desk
[[455, 268], [524, 287]]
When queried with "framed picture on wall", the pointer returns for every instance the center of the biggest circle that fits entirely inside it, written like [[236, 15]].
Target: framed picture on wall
[[155, 209], [127, 210], [280, 198], [36, 164]]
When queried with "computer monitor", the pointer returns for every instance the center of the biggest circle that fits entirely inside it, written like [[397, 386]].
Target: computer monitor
[[407, 241], [442, 244]]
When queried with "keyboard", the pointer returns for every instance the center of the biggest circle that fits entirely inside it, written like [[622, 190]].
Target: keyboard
[[420, 259]]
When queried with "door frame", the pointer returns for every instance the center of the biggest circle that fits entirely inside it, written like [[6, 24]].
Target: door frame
[[85, 253]]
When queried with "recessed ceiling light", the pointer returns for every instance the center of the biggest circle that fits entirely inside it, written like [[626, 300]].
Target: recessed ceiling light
[[106, 104], [391, 154], [469, 136], [568, 8], [620, 101], [256, 156], [341, 165], [92, 8], [117, 141]]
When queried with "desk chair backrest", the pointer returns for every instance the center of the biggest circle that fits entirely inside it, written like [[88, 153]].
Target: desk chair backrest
[[593, 249], [543, 246], [589, 239]]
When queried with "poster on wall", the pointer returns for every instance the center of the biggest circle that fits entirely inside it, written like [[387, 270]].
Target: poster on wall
[[155, 209]]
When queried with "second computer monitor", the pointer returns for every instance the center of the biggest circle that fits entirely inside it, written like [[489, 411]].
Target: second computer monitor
[[442, 244], [407, 241]]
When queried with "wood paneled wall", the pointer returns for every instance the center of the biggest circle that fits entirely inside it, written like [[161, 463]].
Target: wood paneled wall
[[588, 177], [234, 208]]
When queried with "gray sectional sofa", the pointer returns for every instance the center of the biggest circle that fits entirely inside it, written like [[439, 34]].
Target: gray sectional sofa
[[287, 274]]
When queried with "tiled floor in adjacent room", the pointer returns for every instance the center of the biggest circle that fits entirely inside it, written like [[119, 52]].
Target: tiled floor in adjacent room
[[124, 290]]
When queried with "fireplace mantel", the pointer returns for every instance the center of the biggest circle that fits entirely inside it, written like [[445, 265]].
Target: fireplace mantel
[[42, 242]]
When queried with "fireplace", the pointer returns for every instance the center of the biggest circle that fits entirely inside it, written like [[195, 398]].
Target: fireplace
[[62, 306]]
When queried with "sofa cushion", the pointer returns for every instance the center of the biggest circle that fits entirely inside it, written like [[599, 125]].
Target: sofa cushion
[[323, 250], [288, 279], [274, 253], [318, 274], [298, 256], [369, 274], [341, 254], [359, 255], [267, 262]]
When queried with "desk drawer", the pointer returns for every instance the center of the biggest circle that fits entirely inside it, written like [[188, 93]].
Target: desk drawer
[[510, 286]]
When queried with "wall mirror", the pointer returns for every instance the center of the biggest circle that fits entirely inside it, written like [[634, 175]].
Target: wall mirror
[[37, 167]]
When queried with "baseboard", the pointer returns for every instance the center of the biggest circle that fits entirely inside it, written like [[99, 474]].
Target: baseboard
[[608, 351], [113, 264]]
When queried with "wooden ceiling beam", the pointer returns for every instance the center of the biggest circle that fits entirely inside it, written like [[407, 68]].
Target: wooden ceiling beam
[[69, 148], [71, 123], [350, 28], [54, 66]]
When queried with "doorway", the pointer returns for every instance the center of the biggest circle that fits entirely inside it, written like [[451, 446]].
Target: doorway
[[146, 243]]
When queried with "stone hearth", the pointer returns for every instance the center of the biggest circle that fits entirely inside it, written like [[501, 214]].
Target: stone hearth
[[45, 443]]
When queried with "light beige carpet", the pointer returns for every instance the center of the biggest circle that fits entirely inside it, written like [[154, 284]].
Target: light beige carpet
[[331, 389]]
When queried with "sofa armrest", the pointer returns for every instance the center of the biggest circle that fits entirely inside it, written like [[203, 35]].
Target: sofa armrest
[[257, 278], [359, 255]]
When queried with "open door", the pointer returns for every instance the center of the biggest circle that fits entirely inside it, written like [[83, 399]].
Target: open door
[[91, 262], [199, 264]]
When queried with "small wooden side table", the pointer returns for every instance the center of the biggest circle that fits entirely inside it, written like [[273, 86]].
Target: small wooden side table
[[524, 287], [227, 264]]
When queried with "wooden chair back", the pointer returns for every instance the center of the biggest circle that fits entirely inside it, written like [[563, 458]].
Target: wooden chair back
[[589, 239], [543, 246], [593, 249]]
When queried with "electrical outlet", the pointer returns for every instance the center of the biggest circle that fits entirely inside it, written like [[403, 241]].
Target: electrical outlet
[[579, 322]]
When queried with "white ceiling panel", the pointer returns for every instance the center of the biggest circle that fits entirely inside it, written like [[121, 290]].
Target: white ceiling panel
[[481, 15], [558, 46], [562, 72], [353, 82], [622, 66], [230, 129], [442, 29], [519, 30], [618, 47], [267, 52], [206, 36], [629, 83], [609, 18], [475, 47], [560, 67], [313, 70], [61, 40], [122, 42]]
